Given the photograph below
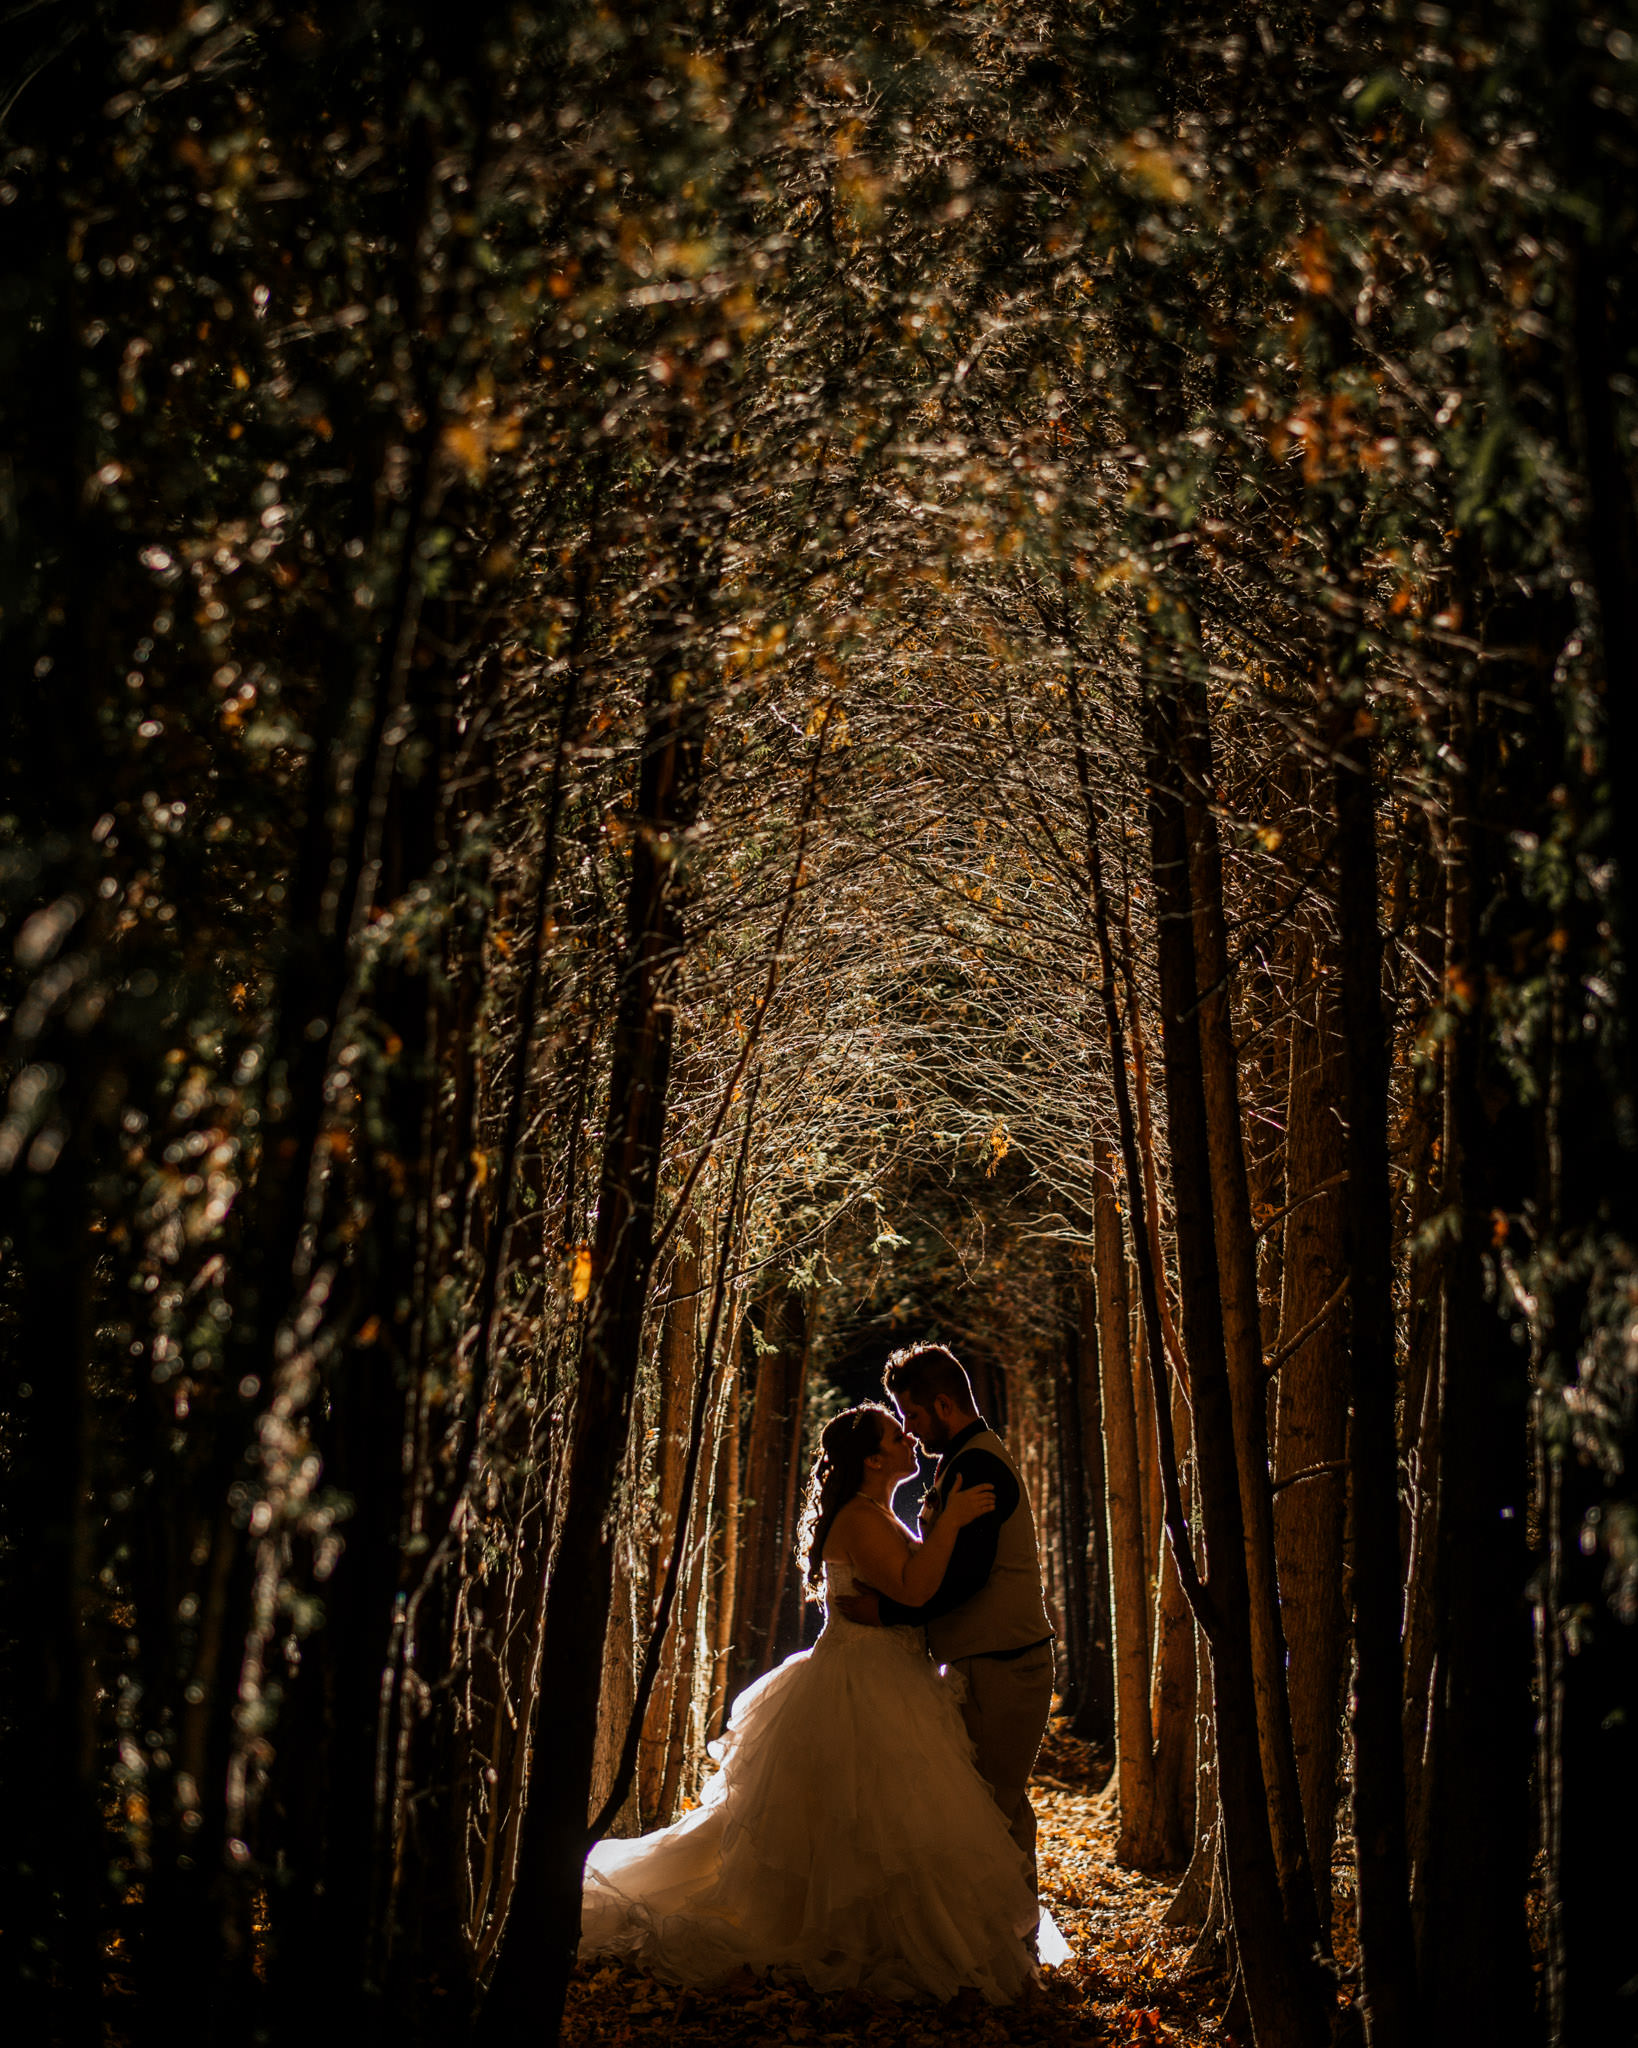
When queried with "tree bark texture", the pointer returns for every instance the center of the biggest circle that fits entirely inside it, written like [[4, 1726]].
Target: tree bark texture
[[1094, 1719], [1174, 1677], [1152, 1211], [677, 1372], [725, 1590], [1191, 1901], [1150, 1502], [1077, 1506], [1138, 1841], [618, 1688], [1311, 1419], [1388, 1980], [1426, 1268]]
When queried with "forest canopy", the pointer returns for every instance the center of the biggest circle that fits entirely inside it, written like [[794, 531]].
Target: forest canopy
[[690, 690]]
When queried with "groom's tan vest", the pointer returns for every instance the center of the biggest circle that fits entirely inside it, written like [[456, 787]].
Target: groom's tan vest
[[1007, 1612]]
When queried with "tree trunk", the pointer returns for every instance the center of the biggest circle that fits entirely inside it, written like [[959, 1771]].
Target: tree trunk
[[1138, 1841], [790, 1596], [617, 1689], [345, 1873], [1152, 1210], [677, 1370], [690, 1720], [1242, 1321], [1281, 1987], [1288, 2004], [1150, 1505], [517, 1676], [532, 1972], [1311, 1421], [1610, 528], [1094, 1720], [1070, 1487], [1426, 1270], [1470, 1894], [725, 1594], [56, 1895], [1174, 1676], [1388, 1987], [769, 1488], [1588, 1765], [1191, 1901], [692, 1670]]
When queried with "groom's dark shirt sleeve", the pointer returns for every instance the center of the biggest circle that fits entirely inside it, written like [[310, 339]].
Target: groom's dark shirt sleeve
[[975, 1546]]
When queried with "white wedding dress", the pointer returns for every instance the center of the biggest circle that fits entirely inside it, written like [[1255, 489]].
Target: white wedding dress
[[846, 1840]]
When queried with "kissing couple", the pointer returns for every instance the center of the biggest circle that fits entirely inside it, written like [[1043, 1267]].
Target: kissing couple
[[869, 1827]]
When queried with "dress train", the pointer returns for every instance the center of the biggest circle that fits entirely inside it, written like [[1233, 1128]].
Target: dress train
[[846, 1840]]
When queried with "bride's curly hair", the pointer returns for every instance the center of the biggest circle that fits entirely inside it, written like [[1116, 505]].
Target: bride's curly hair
[[838, 1473]]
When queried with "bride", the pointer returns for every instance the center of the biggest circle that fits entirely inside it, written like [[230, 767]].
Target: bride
[[847, 1838]]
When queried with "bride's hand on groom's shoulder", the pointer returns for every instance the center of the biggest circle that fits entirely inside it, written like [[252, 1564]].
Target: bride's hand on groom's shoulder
[[966, 1503]]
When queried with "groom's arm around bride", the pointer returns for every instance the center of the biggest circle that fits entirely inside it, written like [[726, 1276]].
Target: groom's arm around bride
[[988, 1619]]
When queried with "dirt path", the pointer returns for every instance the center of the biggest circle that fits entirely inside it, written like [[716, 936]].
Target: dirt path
[[1124, 1986]]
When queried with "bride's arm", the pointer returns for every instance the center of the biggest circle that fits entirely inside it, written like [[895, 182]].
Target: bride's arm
[[889, 1560]]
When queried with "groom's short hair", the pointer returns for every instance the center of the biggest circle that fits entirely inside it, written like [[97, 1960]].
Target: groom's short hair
[[921, 1372]]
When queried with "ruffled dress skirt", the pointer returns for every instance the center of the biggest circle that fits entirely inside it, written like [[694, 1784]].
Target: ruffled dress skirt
[[847, 1841]]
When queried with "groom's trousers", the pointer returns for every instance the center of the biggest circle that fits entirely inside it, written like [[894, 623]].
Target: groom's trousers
[[1008, 1702]]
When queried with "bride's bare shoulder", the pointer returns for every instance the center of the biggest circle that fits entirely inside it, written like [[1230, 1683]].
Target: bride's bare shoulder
[[856, 1520], [862, 1525]]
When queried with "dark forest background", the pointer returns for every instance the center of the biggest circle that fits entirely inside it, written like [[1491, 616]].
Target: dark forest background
[[692, 689]]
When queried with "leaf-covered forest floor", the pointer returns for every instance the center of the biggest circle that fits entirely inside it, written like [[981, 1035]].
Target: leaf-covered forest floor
[[1126, 1983]]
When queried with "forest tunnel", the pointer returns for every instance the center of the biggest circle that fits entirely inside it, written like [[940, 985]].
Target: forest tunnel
[[704, 691]]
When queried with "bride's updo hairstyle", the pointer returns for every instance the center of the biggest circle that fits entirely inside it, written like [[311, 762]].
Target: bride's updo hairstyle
[[838, 1474]]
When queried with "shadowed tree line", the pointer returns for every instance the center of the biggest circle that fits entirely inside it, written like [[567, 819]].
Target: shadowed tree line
[[689, 692]]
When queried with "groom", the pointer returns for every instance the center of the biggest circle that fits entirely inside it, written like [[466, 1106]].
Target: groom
[[988, 1620]]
